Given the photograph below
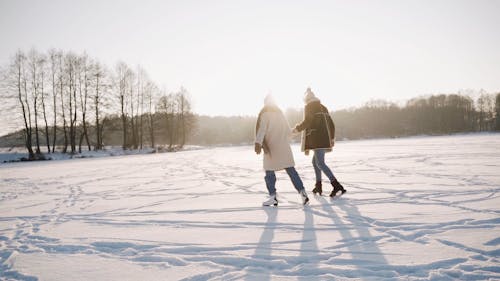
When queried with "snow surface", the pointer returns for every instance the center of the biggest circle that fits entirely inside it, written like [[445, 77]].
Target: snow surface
[[16, 154], [423, 208]]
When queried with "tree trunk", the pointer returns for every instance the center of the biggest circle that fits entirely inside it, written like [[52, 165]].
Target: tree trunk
[[151, 131], [34, 83], [73, 143], [124, 122], [83, 103], [28, 109], [151, 123], [37, 138], [140, 104], [70, 92], [45, 117], [141, 131], [170, 130], [54, 95], [80, 141], [19, 85], [96, 103], [497, 109], [132, 120], [63, 110]]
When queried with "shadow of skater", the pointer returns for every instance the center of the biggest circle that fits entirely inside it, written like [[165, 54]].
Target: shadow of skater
[[309, 253], [262, 265], [356, 237]]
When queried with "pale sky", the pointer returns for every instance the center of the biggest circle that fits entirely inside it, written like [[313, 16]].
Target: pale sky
[[230, 54]]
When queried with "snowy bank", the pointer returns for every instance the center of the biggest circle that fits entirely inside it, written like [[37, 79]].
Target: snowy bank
[[18, 154]]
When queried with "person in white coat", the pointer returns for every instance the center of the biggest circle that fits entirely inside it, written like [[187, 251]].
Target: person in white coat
[[273, 136]]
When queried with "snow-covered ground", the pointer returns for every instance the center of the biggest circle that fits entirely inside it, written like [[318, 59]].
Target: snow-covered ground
[[16, 154], [416, 209]]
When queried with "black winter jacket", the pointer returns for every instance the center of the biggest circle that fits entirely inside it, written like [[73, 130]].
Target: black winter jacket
[[318, 127]]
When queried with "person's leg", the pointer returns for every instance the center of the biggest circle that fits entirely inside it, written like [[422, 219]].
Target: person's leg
[[270, 179], [317, 170], [294, 176], [320, 161], [319, 154], [297, 183]]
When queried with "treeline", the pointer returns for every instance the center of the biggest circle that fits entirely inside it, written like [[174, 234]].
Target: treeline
[[66, 100], [69, 102], [432, 115], [437, 114], [223, 130]]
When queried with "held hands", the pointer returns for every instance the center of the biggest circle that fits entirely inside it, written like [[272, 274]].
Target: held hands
[[258, 148], [295, 131]]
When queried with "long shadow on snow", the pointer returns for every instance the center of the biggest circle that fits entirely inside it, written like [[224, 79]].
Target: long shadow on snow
[[308, 248], [263, 249], [366, 255]]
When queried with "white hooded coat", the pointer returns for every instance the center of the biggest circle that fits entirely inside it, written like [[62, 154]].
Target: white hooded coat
[[274, 130]]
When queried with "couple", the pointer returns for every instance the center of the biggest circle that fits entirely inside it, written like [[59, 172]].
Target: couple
[[273, 136]]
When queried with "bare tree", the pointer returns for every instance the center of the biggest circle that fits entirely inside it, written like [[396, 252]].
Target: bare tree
[[175, 109], [142, 81], [123, 74], [150, 94], [62, 87], [497, 112], [167, 107], [482, 110], [184, 115], [17, 77], [490, 112], [71, 67], [33, 58], [133, 114], [54, 57], [9, 98], [143, 85], [61, 81], [84, 79], [42, 67], [100, 75]]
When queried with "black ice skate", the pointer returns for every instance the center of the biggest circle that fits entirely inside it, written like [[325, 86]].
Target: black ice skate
[[336, 188], [318, 188]]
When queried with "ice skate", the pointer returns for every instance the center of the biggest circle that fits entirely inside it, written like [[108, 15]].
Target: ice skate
[[305, 199], [336, 188], [272, 201], [318, 188]]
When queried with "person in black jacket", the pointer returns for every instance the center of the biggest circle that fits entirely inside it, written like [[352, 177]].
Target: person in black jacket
[[318, 134]]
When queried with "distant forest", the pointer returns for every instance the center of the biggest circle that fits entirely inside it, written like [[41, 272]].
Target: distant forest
[[433, 115], [70, 102]]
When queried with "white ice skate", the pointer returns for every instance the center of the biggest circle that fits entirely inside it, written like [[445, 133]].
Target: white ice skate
[[305, 199], [272, 201]]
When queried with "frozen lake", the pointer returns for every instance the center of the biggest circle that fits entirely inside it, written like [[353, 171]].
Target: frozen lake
[[416, 209]]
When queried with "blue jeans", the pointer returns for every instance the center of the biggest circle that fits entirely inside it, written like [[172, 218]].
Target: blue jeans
[[292, 173], [319, 165]]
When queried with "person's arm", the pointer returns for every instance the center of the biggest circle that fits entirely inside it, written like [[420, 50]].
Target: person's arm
[[261, 133], [331, 128], [306, 123], [330, 123]]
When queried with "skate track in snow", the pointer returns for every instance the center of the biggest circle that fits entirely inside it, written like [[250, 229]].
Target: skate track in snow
[[416, 209]]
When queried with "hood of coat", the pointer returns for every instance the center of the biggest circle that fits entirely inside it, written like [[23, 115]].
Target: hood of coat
[[309, 96], [270, 101]]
